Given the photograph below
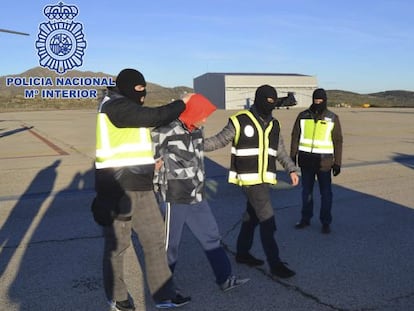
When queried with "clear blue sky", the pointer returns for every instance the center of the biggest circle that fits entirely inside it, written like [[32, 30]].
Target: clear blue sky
[[360, 46]]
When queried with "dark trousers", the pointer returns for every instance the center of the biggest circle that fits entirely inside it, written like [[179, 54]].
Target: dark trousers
[[259, 211], [325, 190], [147, 222]]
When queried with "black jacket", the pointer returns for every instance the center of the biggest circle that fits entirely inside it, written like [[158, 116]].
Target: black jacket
[[123, 112], [312, 160]]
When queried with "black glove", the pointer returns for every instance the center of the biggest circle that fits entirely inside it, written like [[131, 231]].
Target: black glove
[[102, 213], [336, 169]]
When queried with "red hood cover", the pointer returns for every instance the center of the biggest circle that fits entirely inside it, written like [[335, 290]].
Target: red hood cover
[[196, 109]]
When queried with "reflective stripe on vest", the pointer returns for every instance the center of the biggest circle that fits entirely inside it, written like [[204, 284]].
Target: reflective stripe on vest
[[117, 147], [316, 137], [249, 179], [251, 151], [258, 175]]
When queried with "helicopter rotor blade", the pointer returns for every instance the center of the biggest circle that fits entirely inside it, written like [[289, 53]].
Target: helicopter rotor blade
[[14, 32]]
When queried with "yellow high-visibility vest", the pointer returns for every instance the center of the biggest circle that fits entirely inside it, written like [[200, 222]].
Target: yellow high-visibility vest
[[316, 137], [118, 147], [254, 151]]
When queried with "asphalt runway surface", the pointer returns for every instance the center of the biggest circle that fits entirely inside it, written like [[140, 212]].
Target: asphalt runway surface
[[51, 249]]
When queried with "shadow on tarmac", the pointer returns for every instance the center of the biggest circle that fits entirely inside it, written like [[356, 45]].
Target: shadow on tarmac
[[366, 263], [47, 236], [15, 131], [22, 215], [404, 159]]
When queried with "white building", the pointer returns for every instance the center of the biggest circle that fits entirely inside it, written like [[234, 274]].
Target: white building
[[236, 90]]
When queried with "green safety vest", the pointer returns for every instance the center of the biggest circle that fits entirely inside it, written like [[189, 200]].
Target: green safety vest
[[254, 151], [118, 147], [316, 137]]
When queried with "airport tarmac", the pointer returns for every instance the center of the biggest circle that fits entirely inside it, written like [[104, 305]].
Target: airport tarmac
[[51, 250]]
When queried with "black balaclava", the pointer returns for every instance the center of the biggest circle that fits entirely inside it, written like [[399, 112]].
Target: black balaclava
[[319, 94], [127, 80], [263, 107]]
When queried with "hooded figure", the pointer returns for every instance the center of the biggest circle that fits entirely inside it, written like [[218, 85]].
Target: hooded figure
[[131, 83], [265, 100], [180, 145], [181, 183], [320, 105]]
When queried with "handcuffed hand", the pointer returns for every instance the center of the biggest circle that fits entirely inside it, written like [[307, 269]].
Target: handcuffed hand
[[158, 164], [294, 178]]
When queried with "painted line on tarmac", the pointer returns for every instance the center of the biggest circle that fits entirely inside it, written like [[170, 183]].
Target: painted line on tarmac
[[28, 156], [54, 147]]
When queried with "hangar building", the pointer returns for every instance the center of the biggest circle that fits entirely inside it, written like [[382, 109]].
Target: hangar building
[[236, 90]]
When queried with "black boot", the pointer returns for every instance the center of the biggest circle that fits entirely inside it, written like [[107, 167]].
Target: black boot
[[302, 224], [280, 270], [249, 260]]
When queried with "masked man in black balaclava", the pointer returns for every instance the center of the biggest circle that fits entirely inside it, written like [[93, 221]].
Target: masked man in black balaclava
[[319, 101], [125, 199], [257, 144], [317, 145], [131, 83], [265, 101]]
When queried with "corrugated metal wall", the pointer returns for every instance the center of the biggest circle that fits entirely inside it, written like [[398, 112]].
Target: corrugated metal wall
[[235, 91]]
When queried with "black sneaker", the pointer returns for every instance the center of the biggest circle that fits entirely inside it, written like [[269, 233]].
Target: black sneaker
[[249, 260], [124, 305], [232, 282], [281, 271], [326, 229], [302, 224], [176, 302]]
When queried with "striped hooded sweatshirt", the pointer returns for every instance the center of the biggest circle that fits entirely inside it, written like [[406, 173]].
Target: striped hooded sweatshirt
[[180, 145]]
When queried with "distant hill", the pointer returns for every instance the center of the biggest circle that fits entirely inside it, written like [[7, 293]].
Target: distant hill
[[381, 99], [12, 98]]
